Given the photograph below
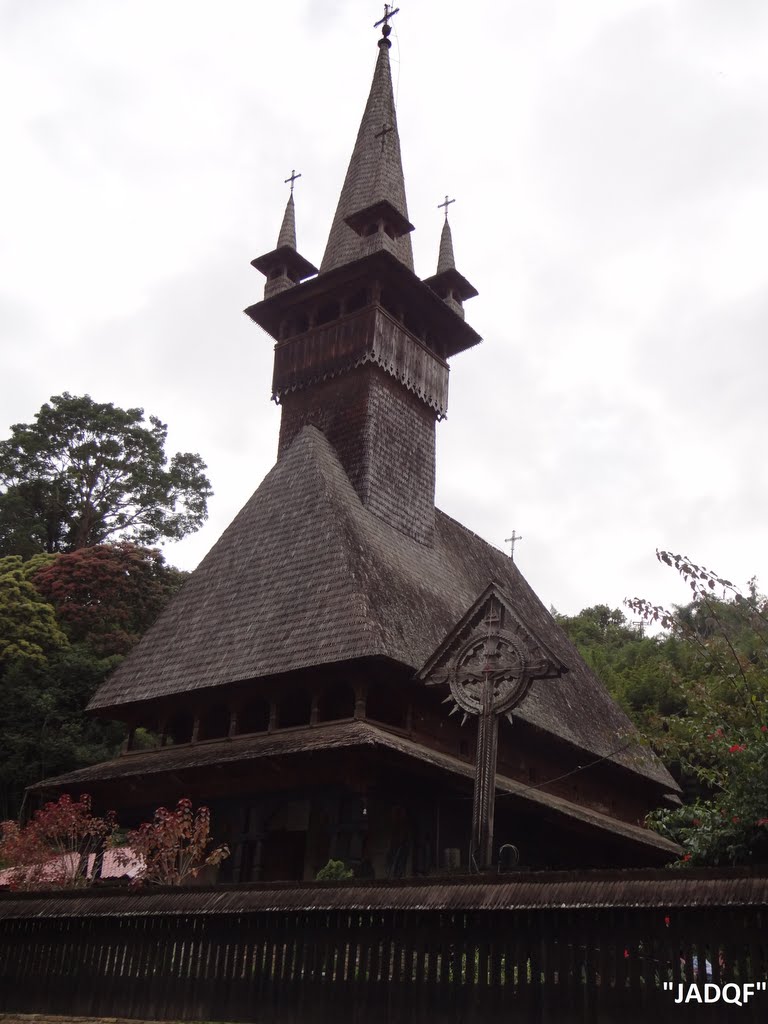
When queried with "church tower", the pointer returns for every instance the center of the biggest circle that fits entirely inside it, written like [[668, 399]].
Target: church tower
[[362, 349]]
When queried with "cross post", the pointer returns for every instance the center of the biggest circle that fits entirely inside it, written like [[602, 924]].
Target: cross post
[[292, 179], [388, 13], [512, 541], [445, 205], [385, 130]]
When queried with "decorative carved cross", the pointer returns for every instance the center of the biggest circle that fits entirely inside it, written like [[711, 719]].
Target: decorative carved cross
[[489, 678], [489, 660], [385, 130], [446, 204], [512, 541], [292, 179], [388, 13]]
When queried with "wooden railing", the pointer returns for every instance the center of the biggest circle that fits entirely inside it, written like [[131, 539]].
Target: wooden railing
[[443, 952]]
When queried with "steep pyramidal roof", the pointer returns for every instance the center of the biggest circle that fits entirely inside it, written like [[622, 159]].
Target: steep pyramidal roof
[[287, 234], [374, 175], [306, 575], [445, 260]]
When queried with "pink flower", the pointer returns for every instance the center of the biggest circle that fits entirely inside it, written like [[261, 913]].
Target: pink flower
[[686, 856], [735, 820], [737, 748], [764, 728]]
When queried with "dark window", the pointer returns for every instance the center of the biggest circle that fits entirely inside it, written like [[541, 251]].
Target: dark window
[[337, 701], [254, 717], [214, 724], [388, 303], [293, 709], [330, 311], [357, 301], [383, 705], [179, 729], [412, 324]]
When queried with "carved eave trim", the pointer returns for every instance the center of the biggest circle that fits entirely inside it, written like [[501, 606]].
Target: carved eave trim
[[369, 336], [541, 661]]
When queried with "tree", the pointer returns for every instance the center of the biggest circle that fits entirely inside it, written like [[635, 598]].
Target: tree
[[66, 621], [108, 595], [28, 626], [175, 846], [640, 671], [86, 472], [721, 738]]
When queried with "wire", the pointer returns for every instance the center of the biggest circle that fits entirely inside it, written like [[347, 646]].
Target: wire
[[581, 768], [397, 83]]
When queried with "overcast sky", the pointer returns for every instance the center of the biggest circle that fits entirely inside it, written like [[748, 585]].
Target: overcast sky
[[609, 160]]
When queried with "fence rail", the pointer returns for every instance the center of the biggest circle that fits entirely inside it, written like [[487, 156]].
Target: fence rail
[[141, 955]]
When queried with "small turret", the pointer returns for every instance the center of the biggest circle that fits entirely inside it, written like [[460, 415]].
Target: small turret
[[283, 267], [452, 287]]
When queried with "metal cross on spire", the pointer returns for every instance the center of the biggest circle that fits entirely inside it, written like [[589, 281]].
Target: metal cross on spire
[[388, 13], [512, 541], [385, 130], [292, 179], [445, 205]]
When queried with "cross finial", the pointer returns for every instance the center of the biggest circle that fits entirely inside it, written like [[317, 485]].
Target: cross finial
[[385, 130], [388, 13], [446, 204], [292, 179], [512, 541]]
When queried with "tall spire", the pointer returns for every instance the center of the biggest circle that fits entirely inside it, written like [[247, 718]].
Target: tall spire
[[287, 234], [445, 260], [373, 194]]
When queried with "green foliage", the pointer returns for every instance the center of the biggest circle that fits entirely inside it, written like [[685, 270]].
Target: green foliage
[[720, 739], [86, 472], [74, 615], [28, 626], [640, 672], [334, 871]]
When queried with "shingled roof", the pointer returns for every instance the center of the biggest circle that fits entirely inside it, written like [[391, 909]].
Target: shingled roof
[[347, 735], [306, 575], [374, 175]]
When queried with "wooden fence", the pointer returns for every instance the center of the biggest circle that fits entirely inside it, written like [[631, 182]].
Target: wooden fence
[[534, 949]]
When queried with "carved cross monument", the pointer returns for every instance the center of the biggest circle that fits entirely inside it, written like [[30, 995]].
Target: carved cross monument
[[489, 661]]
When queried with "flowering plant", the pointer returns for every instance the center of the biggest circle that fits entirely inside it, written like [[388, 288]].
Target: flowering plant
[[175, 846], [53, 850]]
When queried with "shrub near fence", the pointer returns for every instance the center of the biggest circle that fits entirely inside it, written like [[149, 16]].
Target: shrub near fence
[[544, 948]]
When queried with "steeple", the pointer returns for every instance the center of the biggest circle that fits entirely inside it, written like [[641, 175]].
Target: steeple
[[362, 349], [287, 234], [372, 212], [452, 287], [283, 267], [445, 258]]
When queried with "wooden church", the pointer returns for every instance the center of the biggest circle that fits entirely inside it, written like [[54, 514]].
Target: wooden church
[[350, 673]]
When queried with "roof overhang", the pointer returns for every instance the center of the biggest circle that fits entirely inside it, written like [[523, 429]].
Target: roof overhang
[[454, 333], [286, 256], [341, 736]]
